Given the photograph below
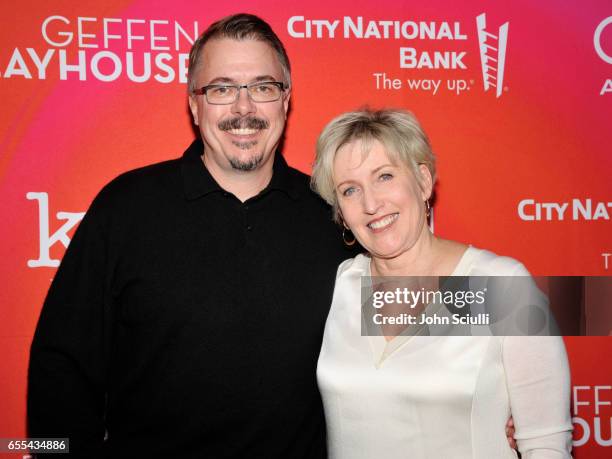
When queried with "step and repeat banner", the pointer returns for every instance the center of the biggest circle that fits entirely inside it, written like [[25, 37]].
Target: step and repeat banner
[[517, 101]]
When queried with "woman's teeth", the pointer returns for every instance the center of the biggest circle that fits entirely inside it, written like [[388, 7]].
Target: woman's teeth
[[378, 224]]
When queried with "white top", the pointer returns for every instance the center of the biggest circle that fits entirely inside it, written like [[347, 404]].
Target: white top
[[439, 397]]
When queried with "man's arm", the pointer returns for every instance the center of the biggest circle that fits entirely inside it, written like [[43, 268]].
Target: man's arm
[[69, 354]]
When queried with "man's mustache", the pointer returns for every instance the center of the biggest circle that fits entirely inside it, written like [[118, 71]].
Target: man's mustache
[[248, 122]]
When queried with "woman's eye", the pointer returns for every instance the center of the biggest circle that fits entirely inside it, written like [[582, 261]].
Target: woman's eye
[[385, 177], [349, 191]]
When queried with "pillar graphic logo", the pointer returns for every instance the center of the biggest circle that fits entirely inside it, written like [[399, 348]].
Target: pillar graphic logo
[[492, 47]]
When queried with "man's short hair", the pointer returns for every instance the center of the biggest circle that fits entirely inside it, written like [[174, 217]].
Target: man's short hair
[[238, 27]]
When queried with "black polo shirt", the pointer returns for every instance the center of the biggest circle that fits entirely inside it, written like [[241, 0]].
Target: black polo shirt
[[186, 323]]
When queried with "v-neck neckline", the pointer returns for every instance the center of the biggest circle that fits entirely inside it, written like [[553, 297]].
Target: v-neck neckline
[[383, 349]]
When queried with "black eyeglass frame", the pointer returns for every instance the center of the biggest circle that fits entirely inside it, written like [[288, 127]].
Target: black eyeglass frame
[[204, 89]]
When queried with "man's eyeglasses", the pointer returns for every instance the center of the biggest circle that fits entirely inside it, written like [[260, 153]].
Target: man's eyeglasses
[[224, 94]]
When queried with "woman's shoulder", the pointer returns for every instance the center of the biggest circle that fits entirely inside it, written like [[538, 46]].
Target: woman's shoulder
[[480, 262], [359, 265]]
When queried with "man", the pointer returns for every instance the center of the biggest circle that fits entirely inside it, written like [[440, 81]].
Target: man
[[187, 315]]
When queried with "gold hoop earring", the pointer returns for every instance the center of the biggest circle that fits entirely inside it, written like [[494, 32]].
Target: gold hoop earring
[[348, 243], [427, 208]]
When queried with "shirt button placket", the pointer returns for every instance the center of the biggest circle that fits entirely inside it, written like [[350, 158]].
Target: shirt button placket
[[247, 224]]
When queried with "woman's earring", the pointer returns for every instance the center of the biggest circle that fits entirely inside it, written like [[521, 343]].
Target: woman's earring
[[427, 208], [349, 242]]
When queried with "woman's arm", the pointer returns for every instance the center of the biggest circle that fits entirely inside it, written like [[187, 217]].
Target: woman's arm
[[537, 374]]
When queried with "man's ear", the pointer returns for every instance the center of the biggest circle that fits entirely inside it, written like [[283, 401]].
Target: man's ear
[[286, 98], [193, 106]]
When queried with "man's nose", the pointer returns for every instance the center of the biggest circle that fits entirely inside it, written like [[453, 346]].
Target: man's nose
[[243, 104]]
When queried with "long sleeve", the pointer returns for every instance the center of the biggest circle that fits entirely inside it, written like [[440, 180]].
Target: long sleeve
[[537, 375], [69, 353]]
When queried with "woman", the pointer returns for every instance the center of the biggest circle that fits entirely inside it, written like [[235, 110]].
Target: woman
[[421, 396]]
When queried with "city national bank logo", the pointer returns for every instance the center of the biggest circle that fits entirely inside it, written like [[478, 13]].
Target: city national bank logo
[[577, 209], [434, 56], [492, 45]]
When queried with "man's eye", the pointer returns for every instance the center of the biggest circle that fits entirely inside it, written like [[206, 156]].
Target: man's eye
[[221, 90], [264, 88]]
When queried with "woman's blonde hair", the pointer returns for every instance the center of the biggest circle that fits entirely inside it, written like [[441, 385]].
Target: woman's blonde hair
[[397, 130]]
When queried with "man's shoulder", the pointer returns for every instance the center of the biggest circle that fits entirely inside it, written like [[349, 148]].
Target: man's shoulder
[[300, 182], [298, 179], [298, 174], [138, 186], [145, 176]]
